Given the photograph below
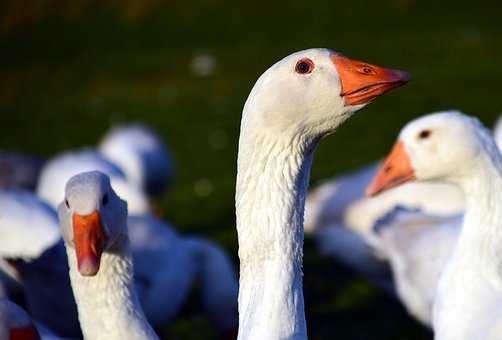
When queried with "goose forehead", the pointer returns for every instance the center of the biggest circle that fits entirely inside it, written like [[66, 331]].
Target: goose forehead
[[85, 190], [444, 120], [318, 55]]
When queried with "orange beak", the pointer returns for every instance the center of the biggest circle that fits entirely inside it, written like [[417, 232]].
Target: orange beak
[[363, 82], [24, 333], [90, 241], [395, 170]]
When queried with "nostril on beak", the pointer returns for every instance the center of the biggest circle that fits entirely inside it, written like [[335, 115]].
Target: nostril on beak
[[387, 169]]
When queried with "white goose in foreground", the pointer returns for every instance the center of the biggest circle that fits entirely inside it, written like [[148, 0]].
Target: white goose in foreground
[[296, 102], [94, 225], [456, 148]]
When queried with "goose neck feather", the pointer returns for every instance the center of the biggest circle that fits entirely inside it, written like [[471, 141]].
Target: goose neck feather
[[108, 307], [272, 181], [469, 293]]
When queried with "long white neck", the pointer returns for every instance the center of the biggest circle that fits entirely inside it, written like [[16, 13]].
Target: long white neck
[[481, 235], [108, 307], [272, 180]]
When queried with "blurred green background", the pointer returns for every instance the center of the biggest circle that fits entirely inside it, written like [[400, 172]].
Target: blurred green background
[[71, 69]]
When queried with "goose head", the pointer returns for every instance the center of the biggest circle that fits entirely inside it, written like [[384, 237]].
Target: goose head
[[142, 154], [312, 91], [92, 218], [15, 324], [439, 146]]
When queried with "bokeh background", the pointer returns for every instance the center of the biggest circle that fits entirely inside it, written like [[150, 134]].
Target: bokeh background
[[70, 69]]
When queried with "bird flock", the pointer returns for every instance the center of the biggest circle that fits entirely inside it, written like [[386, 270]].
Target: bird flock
[[84, 254]]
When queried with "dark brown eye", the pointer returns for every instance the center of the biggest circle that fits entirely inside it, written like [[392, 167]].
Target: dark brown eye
[[304, 66], [105, 199], [424, 134], [67, 204]]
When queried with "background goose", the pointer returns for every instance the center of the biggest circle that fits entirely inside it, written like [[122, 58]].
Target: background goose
[[456, 148], [342, 201], [292, 105], [34, 262], [340, 204], [94, 226], [142, 155], [159, 252], [58, 170], [417, 246]]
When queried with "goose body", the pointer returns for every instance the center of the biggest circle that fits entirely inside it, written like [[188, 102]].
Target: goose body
[[292, 105], [456, 148], [28, 226], [417, 247], [93, 222], [159, 252], [33, 261], [342, 201]]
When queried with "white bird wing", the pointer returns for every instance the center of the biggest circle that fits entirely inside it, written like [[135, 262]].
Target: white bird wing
[[418, 246], [218, 278], [163, 267], [28, 226], [430, 198], [326, 204]]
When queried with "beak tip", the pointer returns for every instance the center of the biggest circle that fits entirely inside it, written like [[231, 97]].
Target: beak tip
[[88, 266], [405, 76]]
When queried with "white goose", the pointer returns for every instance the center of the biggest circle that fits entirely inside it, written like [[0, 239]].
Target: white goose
[[33, 261], [159, 252], [456, 148], [94, 225], [370, 231], [141, 154], [296, 102], [162, 288]]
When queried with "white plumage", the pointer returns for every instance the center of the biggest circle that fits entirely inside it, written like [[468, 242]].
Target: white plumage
[[458, 149], [300, 99]]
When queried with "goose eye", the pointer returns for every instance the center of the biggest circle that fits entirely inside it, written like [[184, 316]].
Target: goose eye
[[304, 66], [105, 199], [424, 134], [67, 204]]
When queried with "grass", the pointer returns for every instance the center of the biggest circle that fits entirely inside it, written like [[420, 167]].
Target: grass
[[63, 82]]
